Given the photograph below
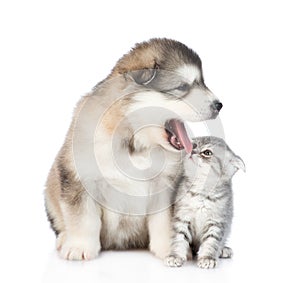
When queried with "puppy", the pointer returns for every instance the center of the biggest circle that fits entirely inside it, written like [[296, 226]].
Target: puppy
[[112, 182]]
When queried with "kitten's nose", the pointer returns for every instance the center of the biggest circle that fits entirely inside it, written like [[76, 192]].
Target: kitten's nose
[[217, 105]]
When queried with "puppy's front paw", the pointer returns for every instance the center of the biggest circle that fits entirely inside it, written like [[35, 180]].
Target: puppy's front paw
[[174, 261], [226, 252], [160, 248], [206, 262], [77, 248]]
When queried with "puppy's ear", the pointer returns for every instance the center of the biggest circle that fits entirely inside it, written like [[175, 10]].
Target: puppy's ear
[[238, 163], [143, 76]]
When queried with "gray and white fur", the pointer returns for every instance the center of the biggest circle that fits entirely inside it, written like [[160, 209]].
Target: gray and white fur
[[203, 208], [114, 128]]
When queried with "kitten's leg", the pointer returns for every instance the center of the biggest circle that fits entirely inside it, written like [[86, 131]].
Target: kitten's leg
[[180, 245], [211, 244], [226, 252], [160, 233], [81, 238]]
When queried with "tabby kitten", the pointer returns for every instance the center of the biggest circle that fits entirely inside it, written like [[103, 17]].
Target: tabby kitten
[[203, 207]]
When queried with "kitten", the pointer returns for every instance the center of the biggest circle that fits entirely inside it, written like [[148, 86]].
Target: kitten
[[203, 206]]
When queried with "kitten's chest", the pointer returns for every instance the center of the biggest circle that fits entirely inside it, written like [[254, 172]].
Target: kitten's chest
[[199, 204], [202, 209], [207, 210]]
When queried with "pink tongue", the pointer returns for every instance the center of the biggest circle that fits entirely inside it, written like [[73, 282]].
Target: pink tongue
[[180, 131]]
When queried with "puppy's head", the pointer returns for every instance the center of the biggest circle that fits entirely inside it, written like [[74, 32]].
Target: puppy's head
[[168, 79]]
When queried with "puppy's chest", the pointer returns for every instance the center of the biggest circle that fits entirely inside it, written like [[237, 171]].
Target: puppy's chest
[[120, 167]]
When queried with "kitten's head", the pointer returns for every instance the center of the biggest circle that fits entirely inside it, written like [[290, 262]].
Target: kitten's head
[[214, 159]]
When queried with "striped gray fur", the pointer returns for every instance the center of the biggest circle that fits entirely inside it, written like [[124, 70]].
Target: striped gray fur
[[203, 208]]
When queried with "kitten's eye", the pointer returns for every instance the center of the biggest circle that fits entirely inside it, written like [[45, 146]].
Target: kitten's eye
[[183, 87], [206, 153]]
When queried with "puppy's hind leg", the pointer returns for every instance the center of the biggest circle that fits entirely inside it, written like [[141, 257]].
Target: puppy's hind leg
[[160, 233], [81, 238]]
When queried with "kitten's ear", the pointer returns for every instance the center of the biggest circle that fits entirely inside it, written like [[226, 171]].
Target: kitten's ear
[[144, 76], [238, 163]]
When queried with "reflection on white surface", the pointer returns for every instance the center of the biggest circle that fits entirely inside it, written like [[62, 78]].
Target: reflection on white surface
[[133, 266]]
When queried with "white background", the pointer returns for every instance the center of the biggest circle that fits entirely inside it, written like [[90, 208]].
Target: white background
[[52, 52]]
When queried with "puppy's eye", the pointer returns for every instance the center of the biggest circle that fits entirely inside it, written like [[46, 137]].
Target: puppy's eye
[[183, 87], [206, 153]]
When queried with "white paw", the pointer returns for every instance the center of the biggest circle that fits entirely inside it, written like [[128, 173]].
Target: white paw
[[206, 262], [160, 249], [174, 261], [226, 252], [77, 248]]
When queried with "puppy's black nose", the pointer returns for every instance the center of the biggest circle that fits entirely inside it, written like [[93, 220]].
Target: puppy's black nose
[[218, 105]]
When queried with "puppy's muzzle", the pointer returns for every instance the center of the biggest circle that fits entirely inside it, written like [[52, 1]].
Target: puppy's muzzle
[[217, 105]]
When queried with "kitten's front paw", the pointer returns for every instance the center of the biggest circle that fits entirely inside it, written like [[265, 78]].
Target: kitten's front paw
[[77, 248], [174, 261], [226, 252], [206, 262]]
